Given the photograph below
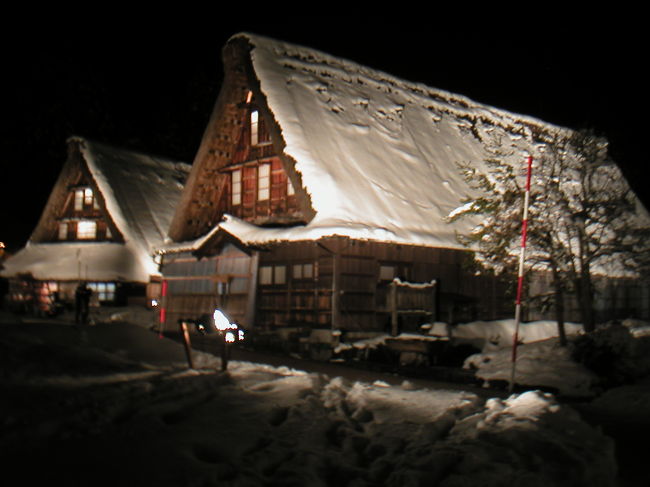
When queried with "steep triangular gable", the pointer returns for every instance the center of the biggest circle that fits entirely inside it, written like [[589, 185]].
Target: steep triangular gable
[[224, 149], [76, 199], [134, 193]]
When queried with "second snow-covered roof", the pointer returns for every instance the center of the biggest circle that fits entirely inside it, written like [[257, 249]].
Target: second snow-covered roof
[[141, 191]]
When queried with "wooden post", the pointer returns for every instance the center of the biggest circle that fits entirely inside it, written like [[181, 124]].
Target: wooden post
[[434, 302], [336, 290], [393, 308], [249, 317], [186, 342]]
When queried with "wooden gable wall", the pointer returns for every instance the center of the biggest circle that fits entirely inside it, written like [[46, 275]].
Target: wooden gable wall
[[60, 207], [226, 149]]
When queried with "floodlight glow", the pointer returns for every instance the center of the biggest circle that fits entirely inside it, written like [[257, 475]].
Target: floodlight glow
[[221, 321], [230, 337]]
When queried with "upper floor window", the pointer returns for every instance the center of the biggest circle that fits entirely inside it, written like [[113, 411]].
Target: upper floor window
[[258, 129], [263, 182], [235, 178], [255, 126], [84, 198], [290, 190]]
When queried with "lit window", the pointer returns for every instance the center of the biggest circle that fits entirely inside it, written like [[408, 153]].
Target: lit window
[[255, 125], [236, 187], [79, 199], [105, 290], [63, 231], [263, 182], [86, 230], [88, 196], [290, 190]]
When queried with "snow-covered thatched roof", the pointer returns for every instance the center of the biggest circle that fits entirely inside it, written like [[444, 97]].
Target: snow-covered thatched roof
[[139, 194], [377, 156]]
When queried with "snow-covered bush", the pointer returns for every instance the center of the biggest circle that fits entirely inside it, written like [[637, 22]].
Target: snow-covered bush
[[612, 353]]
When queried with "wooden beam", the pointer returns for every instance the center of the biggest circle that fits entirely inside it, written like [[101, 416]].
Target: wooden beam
[[336, 290], [249, 320]]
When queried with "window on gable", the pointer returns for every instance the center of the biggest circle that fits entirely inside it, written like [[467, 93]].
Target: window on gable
[[255, 126], [84, 198], [259, 132], [263, 182], [235, 178], [86, 230], [63, 231], [79, 199], [290, 190]]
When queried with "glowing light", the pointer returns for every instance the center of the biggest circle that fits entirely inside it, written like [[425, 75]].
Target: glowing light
[[154, 303], [241, 334], [230, 337], [221, 321]]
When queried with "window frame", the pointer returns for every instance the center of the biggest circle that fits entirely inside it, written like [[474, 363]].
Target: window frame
[[84, 232], [236, 187], [264, 181], [63, 231], [272, 275]]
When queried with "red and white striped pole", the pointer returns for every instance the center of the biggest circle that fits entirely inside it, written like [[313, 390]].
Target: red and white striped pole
[[163, 307], [520, 274]]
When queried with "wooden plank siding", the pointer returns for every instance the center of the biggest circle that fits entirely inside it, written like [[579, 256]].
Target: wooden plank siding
[[363, 295], [198, 286]]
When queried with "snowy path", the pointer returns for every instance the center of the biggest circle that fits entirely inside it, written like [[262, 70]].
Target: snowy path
[[79, 414]]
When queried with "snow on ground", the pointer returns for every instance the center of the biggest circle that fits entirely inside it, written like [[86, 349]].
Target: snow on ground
[[541, 364], [499, 333], [119, 407]]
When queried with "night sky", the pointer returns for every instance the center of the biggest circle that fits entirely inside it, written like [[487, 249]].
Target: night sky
[[152, 89]]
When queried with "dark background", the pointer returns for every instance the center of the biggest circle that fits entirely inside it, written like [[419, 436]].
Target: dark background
[[150, 86]]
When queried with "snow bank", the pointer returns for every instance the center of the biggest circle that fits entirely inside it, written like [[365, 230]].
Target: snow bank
[[499, 333], [541, 364]]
